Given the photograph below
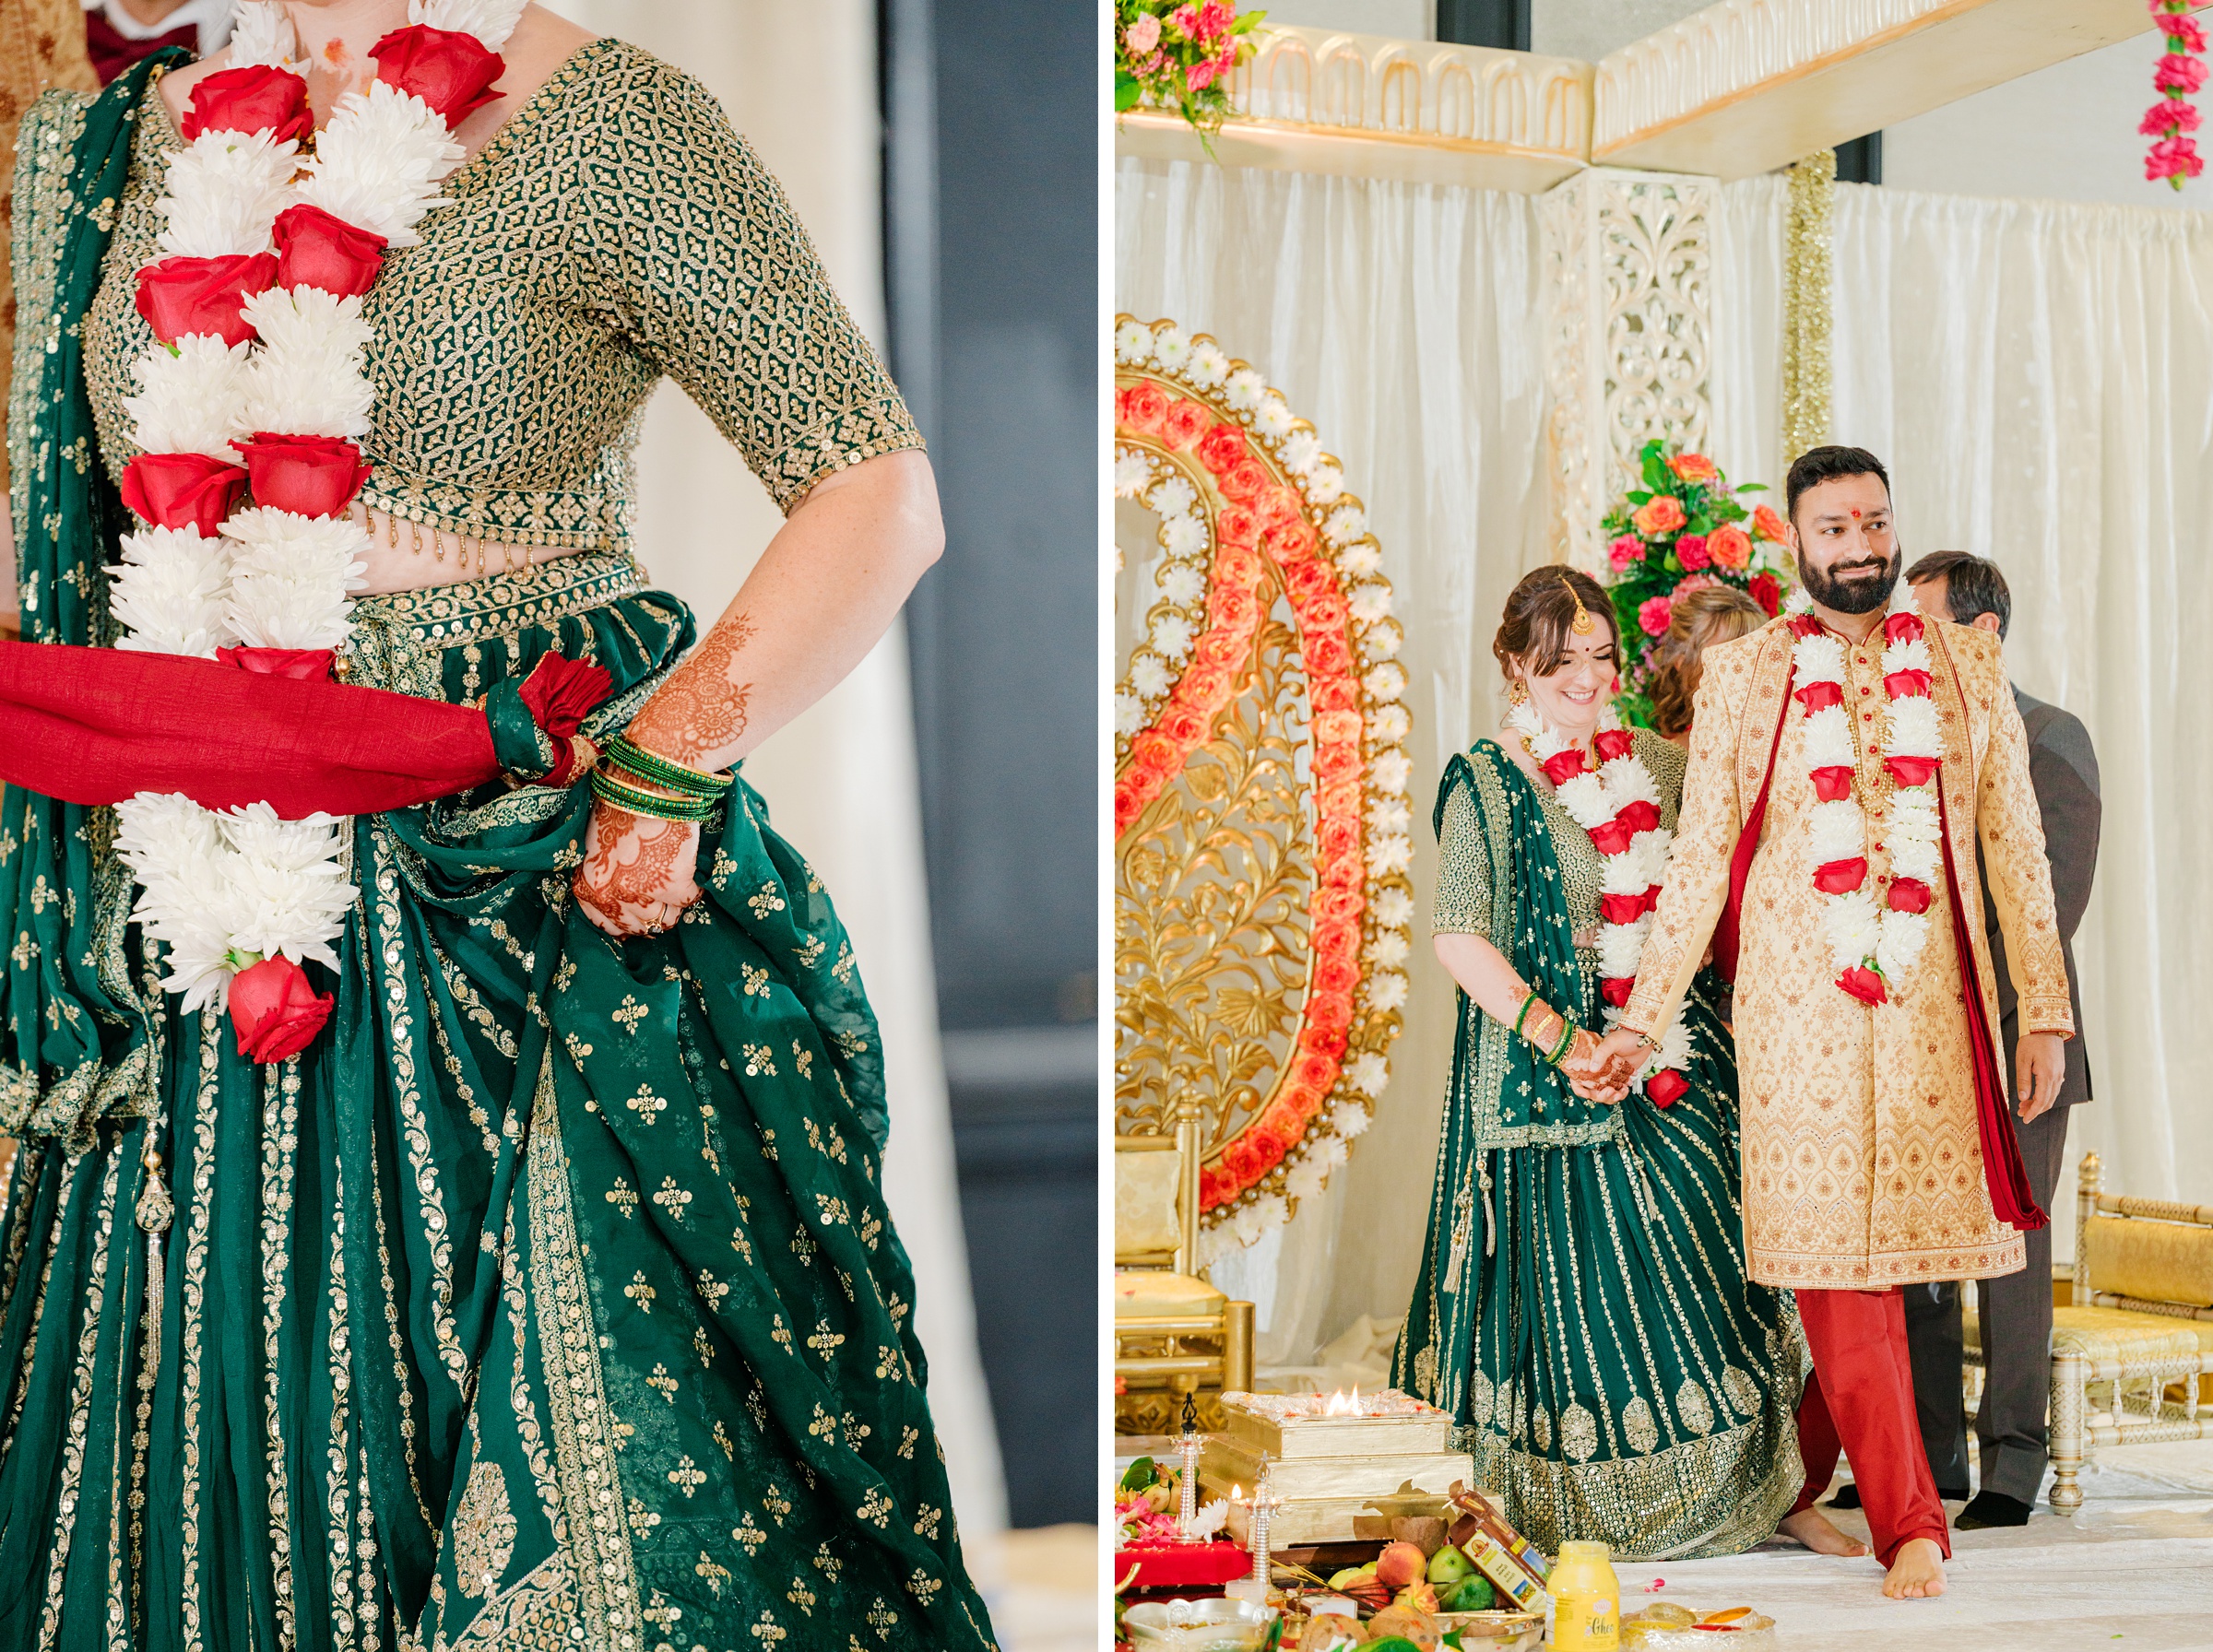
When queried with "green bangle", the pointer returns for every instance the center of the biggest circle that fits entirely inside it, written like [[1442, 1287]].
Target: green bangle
[[607, 788], [1524, 1015], [1568, 1031], [627, 753]]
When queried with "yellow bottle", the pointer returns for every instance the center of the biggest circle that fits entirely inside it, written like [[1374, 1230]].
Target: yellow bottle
[[1586, 1600]]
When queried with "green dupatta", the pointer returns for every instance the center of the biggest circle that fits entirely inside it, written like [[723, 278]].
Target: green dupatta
[[80, 1019]]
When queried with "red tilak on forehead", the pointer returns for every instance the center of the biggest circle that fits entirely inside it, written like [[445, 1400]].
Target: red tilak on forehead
[[1855, 515]]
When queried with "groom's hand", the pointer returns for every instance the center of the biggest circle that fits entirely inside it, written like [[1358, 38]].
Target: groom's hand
[[2040, 1068]]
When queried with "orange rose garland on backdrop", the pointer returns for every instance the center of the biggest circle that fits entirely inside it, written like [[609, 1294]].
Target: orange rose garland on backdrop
[[1264, 903]]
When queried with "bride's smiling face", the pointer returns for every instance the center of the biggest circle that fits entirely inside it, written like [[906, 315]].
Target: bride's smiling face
[[1569, 696]]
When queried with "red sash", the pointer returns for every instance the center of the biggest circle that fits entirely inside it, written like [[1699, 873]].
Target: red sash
[[2003, 1171]]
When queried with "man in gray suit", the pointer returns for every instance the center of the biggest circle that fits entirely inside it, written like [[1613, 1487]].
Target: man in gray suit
[[2014, 1311]]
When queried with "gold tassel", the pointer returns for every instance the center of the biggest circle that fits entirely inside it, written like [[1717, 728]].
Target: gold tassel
[[155, 1211]]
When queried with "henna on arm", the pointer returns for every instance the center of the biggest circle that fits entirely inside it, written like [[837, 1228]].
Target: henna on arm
[[697, 717]]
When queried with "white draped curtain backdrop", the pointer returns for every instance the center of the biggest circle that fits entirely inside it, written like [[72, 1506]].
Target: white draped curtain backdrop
[[2038, 378], [799, 82]]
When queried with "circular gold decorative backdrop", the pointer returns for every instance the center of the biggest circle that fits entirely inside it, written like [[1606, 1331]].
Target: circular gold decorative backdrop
[[1262, 822]]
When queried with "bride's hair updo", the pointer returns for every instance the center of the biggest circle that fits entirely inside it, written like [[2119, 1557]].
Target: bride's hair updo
[[1540, 616]]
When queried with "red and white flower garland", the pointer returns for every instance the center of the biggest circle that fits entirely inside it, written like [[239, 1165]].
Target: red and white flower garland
[[1873, 945], [1618, 805], [257, 379]]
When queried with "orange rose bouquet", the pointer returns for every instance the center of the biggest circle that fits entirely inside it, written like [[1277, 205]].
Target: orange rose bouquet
[[1683, 529]]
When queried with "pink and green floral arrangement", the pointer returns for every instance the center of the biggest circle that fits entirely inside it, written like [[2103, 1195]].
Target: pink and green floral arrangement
[[2173, 155], [1178, 55], [1684, 529]]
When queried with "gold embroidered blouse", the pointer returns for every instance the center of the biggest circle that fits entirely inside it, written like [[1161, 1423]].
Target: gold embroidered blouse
[[616, 228]]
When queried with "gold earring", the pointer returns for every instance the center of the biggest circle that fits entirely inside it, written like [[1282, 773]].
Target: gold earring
[[1582, 625], [1517, 692]]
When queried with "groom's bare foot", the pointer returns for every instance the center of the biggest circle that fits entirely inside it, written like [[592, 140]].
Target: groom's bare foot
[[1819, 1533], [1917, 1573]]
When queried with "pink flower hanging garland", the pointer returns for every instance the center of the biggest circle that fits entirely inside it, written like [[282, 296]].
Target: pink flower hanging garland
[[2180, 74]]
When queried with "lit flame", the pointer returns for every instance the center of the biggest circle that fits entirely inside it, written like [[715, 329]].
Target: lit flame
[[1342, 1406]]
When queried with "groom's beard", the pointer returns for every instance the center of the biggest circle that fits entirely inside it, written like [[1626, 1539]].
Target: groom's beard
[[1862, 591]]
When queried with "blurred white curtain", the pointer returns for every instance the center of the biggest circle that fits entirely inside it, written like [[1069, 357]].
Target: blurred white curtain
[[1404, 321], [799, 82]]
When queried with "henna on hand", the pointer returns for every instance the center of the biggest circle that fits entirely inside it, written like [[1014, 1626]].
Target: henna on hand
[[699, 714], [636, 870]]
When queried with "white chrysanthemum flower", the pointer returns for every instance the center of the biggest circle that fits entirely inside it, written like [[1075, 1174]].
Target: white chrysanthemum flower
[[1624, 874], [1387, 991], [308, 378], [1370, 603], [289, 575], [1273, 418], [1387, 681], [1382, 641], [1173, 636], [1389, 724], [1390, 770], [491, 21], [379, 160], [191, 397], [223, 191], [1829, 739], [1909, 654], [1820, 658], [1631, 782], [1388, 949], [1914, 729], [291, 898], [1368, 1072], [1304, 1179], [1324, 483], [1389, 855], [262, 37], [1798, 602], [1673, 1051], [1619, 947], [1835, 832], [1148, 676], [1132, 343], [1132, 471], [182, 865], [1183, 536], [1346, 523], [1171, 348], [170, 591], [1129, 714], [1388, 815], [1246, 389], [1172, 496], [1904, 935], [1180, 582], [1208, 367], [1300, 451], [1853, 925], [1584, 797]]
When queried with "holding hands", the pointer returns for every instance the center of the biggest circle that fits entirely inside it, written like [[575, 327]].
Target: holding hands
[[1602, 1070]]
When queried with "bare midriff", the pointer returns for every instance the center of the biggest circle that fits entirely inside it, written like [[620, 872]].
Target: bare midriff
[[413, 556]]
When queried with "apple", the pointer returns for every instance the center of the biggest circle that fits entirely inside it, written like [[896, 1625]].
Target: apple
[[1449, 1565], [1400, 1564]]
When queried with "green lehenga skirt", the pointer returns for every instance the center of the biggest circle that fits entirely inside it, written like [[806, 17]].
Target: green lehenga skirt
[[548, 1300]]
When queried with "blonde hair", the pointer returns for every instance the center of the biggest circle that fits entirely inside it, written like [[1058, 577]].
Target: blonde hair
[[1711, 614]]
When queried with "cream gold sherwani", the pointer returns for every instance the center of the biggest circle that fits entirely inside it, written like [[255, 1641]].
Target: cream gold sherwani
[[1863, 1165]]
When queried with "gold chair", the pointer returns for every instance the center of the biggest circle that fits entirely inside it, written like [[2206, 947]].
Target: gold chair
[[2131, 1352], [1174, 1334]]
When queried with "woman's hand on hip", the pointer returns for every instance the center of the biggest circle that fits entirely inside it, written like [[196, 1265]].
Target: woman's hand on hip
[[637, 873]]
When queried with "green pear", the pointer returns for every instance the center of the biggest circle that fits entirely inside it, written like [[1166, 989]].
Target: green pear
[[1449, 1565]]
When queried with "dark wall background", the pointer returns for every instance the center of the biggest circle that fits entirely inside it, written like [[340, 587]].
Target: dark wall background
[[990, 242]]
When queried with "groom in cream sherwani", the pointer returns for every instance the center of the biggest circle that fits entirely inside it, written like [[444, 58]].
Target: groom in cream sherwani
[[1875, 1152]]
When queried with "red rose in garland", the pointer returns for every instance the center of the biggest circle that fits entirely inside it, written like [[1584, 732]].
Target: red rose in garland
[[314, 249], [310, 475], [182, 295], [276, 1012], [183, 490], [254, 99], [453, 73]]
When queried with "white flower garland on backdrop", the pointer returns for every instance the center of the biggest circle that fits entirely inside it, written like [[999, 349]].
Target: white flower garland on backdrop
[[225, 889], [1874, 945], [1618, 805]]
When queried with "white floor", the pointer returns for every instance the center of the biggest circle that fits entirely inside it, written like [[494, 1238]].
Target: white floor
[[2134, 1566], [1043, 1588]]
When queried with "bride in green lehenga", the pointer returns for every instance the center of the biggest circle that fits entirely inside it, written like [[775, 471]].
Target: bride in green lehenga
[[1582, 1309], [547, 1298]]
